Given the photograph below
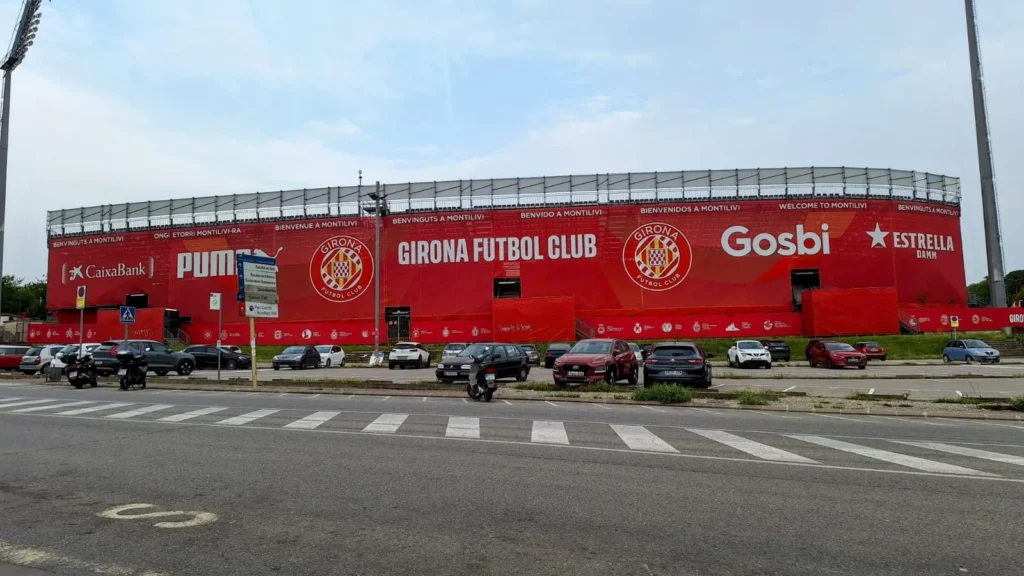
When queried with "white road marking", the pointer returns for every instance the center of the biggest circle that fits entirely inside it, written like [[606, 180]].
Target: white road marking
[[27, 403], [94, 409], [198, 518], [315, 396], [313, 420], [600, 406], [788, 389], [959, 393], [141, 411], [552, 403], [47, 559], [464, 401], [463, 427], [960, 450], [386, 423], [910, 420], [193, 414], [387, 398], [762, 451], [652, 408], [891, 457], [424, 398], [715, 386], [52, 406], [549, 432], [506, 402], [871, 392], [640, 438], [983, 423], [843, 418], [246, 418]]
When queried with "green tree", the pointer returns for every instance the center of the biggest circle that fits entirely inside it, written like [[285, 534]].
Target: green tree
[[21, 297], [1014, 287]]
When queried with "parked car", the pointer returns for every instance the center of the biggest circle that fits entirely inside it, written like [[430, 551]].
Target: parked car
[[597, 359], [636, 351], [810, 344], [504, 360], [873, 350], [206, 357], [10, 357], [532, 354], [749, 353], [38, 359], [159, 357], [409, 354], [836, 355], [58, 358], [969, 351], [452, 349], [554, 352], [331, 355], [678, 363], [778, 349], [297, 358]]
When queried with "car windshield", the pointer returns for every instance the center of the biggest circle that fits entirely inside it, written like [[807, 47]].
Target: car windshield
[[405, 347], [749, 345], [33, 352], [592, 347], [869, 344], [69, 349], [838, 346], [475, 350], [454, 347], [529, 347], [293, 350], [676, 351], [975, 344], [323, 349]]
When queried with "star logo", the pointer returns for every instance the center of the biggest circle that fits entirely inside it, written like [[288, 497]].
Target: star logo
[[877, 236], [76, 272]]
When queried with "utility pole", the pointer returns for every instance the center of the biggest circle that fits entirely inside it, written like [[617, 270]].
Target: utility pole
[[376, 268], [989, 205], [23, 38]]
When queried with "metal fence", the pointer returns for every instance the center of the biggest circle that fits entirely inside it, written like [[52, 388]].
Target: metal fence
[[498, 193]]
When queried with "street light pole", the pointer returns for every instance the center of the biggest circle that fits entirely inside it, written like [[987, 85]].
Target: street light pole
[[989, 205], [377, 268], [23, 38]]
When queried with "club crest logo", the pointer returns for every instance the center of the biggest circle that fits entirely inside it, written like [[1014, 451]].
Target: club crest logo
[[657, 256], [341, 269]]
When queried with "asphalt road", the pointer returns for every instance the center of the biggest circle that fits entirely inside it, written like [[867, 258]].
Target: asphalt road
[[308, 484]]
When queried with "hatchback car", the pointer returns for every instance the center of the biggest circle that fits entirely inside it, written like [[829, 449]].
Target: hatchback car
[[452, 349], [969, 351], [749, 353], [331, 355], [678, 363], [38, 359], [159, 356], [836, 355], [10, 357], [297, 358], [206, 357], [409, 354], [532, 354], [873, 350], [597, 359], [554, 352], [778, 349], [504, 360]]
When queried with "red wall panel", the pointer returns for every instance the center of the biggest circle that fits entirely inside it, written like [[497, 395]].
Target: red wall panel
[[534, 320], [851, 311]]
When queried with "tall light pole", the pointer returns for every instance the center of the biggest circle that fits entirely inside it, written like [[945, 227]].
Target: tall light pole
[[23, 37], [989, 206], [377, 209]]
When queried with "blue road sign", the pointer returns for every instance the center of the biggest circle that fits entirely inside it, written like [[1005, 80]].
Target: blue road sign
[[241, 260], [127, 314]]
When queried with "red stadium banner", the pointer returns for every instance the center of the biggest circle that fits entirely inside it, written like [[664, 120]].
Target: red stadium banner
[[696, 326], [937, 319], [149, 325], [281, 333]]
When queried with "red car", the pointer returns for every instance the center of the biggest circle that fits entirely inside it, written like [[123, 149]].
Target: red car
[[873, 350], [836, 355], [10, 357], [597, 359]]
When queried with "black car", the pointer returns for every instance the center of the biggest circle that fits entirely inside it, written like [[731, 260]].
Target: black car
[[555, 351], [532, 354], [678, 363], [206, 357], [297, 357], [159, 356], [499, 358], [778, 349]]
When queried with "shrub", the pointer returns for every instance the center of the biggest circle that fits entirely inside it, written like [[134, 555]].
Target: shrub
[[751, 398], [664, 393], [1017, 403]]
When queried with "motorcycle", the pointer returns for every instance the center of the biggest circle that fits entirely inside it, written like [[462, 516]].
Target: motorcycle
[[481, 386], [134, 366], [80, 370]]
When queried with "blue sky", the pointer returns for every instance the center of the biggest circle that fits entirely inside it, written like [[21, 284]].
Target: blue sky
[[124, 100]]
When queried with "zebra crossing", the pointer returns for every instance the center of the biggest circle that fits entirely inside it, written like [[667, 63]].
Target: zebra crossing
[[932, 457]]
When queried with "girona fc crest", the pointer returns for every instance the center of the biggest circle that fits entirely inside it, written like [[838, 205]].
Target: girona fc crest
[[657, 256], [341, 269]]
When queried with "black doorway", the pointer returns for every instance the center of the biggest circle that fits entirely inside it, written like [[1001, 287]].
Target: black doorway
[[397, 319], [507, 288], [801, 281]]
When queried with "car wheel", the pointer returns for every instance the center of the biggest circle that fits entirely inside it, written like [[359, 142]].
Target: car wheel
[[524, 373], [945, 359], [707, 380], [342, 364], [276, 367], [548, 364], [811, 362], [647, 380], [45, 367], [391, 365], [828, 363], [426, 363], [884, 358], [328, 363], [185, 368], [231, 365], [28, 372], [78, 385], [634, 376], [611, 376], [160, 372], [970, 359], [862, 366]]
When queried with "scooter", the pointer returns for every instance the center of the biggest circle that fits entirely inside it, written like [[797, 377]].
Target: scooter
[[481, 386], [134, 366], [81, 371]]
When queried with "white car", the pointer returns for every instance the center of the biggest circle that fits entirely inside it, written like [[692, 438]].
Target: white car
[[331, 355], [58, 358], [749, 353], [409, 354]]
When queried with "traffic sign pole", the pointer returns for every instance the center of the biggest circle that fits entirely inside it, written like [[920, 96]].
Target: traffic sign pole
[[215, 304], [80, 304], [252, 349]]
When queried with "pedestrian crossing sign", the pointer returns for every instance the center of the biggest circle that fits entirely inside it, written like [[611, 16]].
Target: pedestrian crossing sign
[[127, 314]]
